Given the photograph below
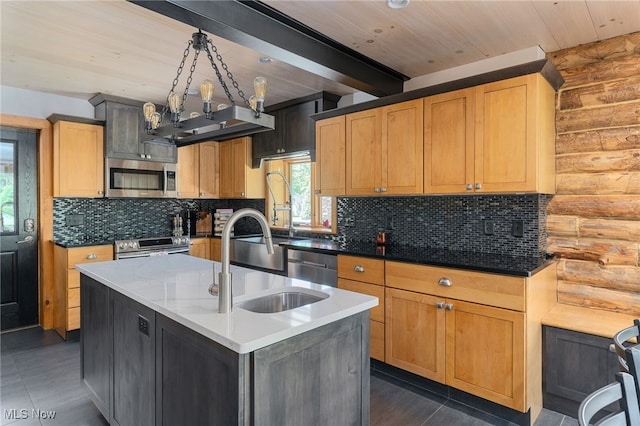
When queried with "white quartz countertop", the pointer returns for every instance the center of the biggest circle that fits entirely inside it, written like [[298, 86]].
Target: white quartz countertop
[[177, 287]]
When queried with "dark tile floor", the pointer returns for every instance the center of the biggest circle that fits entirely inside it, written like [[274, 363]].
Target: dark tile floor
[[40, 374]]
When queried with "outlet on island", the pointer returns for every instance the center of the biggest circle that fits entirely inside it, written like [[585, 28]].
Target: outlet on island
[[488, 227], [517, 228]]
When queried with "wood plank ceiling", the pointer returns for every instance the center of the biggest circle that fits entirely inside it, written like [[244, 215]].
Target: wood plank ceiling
[[81, 48]]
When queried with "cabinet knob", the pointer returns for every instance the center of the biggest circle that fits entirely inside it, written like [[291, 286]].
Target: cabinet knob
[[358, 268], [100, 192], [376, 189], [317, 191], [478, 185], [469, 187], [242, 194], [444, 281], [439, 305], [142, 156], [91, 256], [202, 194], [449, 306], [383, 189]]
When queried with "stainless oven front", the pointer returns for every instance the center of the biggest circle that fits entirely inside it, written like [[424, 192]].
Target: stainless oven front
[[147, 247]]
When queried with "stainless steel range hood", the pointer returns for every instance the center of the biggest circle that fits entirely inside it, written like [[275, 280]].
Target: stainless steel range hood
[[229, 123]]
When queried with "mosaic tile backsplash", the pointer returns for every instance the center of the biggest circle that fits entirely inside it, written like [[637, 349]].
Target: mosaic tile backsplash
[[108, 219], [450, 222]]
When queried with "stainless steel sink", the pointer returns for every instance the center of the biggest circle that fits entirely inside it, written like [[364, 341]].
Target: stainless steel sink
[[252, 252], [282, 301]]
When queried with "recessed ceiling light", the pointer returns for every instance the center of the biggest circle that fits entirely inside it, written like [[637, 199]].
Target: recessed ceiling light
[[397, 4], [265, 59]]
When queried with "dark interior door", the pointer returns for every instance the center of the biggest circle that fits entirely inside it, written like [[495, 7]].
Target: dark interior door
[[18, 228]]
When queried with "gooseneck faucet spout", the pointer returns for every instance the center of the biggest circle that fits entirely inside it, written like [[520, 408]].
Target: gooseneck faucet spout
[[225, 296]]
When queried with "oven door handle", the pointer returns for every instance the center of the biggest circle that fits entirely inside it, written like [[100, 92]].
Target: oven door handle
[[133, 255]]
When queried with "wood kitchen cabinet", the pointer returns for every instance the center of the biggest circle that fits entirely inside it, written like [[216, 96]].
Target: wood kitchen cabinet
[[293, 132], [199, 170], [67, 283], [200, 247], [125, 130], [384, 150], [366, 275], [477, 332], [216, 249], [237, 178], [496, 137], [78, 160], [330, 156]]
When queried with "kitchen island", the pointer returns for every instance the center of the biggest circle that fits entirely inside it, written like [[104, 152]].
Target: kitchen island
[[155, 350]]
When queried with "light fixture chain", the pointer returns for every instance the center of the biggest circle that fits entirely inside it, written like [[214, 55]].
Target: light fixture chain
[[189, 80], [229, 75], [175, 80], [215, 68]]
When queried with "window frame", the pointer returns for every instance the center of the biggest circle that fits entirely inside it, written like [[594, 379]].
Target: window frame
[[316, 204]]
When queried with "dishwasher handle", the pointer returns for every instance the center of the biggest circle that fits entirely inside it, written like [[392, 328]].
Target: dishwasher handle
[[308, 263]]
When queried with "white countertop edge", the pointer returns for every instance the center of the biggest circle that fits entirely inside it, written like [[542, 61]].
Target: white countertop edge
[[361, 303]]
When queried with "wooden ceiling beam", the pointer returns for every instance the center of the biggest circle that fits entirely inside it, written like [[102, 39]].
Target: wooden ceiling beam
[[261, 28]]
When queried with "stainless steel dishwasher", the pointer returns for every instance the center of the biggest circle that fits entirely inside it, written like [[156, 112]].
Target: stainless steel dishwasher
[[316, 267]]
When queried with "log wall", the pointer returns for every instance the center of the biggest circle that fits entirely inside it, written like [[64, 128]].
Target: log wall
[[593, 220]]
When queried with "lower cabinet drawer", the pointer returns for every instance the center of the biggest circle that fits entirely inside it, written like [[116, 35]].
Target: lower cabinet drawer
[[73, 318], [376, 336], [377, 313], [73, 298]]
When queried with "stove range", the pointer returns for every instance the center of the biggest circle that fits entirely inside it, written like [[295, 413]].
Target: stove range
[[146, 247]]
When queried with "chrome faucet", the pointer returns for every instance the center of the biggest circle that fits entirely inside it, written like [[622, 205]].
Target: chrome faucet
[[225, 296], [288, 204]]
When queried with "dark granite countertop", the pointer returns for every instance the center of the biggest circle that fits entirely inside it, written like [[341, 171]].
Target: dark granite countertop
[[72, 244], [482, 262]]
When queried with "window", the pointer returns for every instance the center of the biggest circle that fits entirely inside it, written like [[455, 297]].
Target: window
[[309, 211]]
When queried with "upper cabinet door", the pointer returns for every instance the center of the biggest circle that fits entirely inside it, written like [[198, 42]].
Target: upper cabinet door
[[188, 171], [402, 146], [209, 169], [299, 127], [124, 125], [330, 156], [515, 136], [449, 142], [364, 152], [78, 160]]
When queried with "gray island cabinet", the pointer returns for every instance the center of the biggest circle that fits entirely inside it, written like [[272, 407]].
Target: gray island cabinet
[[149, 360]]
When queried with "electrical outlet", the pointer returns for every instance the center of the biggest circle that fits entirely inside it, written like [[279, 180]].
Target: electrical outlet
[[74, 219], [488, 226], [517, 228], [143, 325]]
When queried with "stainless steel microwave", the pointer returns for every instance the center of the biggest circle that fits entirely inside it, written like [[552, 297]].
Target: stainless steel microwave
[[139, 179]]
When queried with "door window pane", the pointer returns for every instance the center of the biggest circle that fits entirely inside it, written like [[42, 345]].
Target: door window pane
[[7, 188]]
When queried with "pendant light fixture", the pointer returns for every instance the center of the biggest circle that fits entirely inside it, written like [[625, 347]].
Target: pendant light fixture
[[230, 122]]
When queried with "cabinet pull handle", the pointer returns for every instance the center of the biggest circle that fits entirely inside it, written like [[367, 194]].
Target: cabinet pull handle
[[444, 281], [478, 186], [358, 268], [439, 305], [449, 306], [92, 256]]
